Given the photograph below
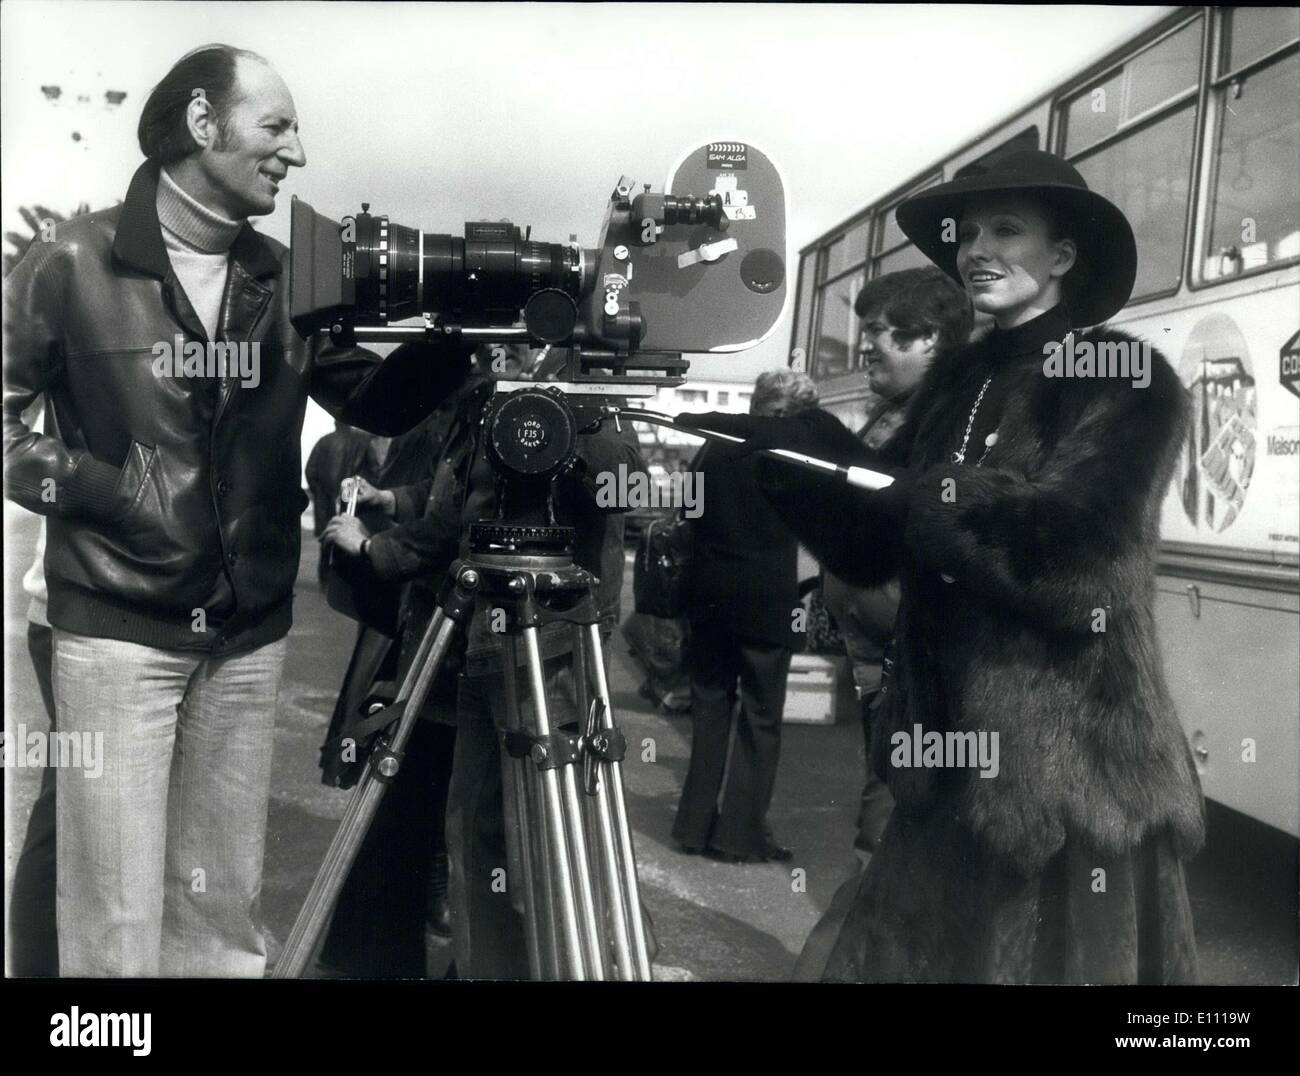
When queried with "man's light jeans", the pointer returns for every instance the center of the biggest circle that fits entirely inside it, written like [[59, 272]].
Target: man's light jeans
[[160, 856]]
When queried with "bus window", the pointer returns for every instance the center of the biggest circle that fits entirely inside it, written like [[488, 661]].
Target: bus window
[[838, 328], [848, 250], [1149, 80], [892, 250], [1251, 33], [1131, 135], [907, 257], [1148, 177], [842, 262], [1253, 218]]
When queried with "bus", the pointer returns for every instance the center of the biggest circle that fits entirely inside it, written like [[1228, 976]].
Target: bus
[[1192, 127]]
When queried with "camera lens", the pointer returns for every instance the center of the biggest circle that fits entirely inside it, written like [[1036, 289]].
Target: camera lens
[[485, 278]]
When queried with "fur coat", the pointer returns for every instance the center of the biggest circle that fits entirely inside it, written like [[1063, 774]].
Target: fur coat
[[1027, 589]]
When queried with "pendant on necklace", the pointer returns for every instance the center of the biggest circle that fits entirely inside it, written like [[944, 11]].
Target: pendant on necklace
[[991, 439]]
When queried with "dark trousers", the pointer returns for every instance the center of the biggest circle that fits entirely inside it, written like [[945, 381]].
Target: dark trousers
[[486, 872], [33, 939], [378, 929], [722, 666]]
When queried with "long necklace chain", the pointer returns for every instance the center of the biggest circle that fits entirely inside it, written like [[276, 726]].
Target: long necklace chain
[[960, 455]]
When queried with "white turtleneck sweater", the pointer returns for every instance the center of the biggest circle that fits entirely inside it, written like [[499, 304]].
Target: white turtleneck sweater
[[198, 244]]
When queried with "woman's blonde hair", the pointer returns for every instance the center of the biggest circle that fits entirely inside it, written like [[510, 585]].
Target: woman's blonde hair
[[782, 392]]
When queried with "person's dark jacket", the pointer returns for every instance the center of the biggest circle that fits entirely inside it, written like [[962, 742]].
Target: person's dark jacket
[[170, 495], [744, 570]]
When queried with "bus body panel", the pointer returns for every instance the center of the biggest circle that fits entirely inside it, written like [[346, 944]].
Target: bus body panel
[[1232, 662], [1232, 652]]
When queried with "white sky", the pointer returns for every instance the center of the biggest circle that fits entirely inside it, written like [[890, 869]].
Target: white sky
[[442, 113]]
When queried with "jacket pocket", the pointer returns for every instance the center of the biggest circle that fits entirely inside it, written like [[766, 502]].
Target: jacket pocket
[[135, 477]]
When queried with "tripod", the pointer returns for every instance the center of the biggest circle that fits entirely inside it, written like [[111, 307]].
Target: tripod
[[582, 907]]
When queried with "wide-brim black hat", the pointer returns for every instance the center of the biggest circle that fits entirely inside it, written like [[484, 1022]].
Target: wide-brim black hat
[[1102, 278]]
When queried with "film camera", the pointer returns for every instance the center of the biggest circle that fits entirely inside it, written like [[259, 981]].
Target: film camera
[[698, 268]]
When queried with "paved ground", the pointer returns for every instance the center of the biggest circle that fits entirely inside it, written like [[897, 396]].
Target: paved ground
[[714, 921]]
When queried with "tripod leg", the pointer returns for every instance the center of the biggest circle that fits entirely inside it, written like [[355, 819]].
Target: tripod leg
[[572, 816], [554, 812], [324, 893], [618, 804], [521, 832], [546, 883], [603, 824]]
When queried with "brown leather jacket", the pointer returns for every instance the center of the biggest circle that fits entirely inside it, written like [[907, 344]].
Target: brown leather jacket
[[166, 494]]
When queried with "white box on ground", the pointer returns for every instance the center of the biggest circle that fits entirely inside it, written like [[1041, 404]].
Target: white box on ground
[[811, 689]]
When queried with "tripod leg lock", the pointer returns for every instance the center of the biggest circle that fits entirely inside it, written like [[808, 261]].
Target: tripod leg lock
[[547, 752], [385, 764], [563, 748], [607, 745]]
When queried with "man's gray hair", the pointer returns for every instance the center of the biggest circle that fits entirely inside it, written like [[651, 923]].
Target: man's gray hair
[[783, 392]]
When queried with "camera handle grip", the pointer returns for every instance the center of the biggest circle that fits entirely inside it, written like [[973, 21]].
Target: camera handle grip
[[861, 477]]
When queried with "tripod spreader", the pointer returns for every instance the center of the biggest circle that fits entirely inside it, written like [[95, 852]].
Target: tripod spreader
[[562, 748]]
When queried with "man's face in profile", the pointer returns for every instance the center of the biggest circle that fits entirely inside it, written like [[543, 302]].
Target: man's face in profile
[[256, 145], [895, 363]]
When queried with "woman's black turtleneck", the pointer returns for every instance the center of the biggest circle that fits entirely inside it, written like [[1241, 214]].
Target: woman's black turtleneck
[[1000, 352]]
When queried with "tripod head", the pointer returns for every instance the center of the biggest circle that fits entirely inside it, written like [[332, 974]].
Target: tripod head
[[531, 437]]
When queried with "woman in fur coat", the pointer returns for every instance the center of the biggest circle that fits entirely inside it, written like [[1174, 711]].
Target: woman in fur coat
[[1046, 795]]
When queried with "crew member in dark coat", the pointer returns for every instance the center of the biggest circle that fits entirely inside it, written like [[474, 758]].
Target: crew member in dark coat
[[339, 454], [742, 606], [395, 896], [1024, 528]]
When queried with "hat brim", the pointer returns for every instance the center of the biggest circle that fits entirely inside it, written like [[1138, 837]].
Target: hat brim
[[1107, 248]]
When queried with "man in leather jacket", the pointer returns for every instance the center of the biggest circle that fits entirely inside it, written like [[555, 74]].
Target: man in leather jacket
[[169, 475]]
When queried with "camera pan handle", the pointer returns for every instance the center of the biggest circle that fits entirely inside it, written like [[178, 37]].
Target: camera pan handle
[[861, 477]]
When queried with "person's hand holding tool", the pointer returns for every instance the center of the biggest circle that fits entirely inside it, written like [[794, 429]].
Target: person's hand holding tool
[[345, 531]]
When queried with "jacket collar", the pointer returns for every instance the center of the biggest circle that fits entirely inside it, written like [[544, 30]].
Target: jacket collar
[[138, 243]]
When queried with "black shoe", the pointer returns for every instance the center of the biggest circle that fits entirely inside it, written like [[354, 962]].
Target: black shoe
[[777, 854], [689, 849], [729, 857]]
